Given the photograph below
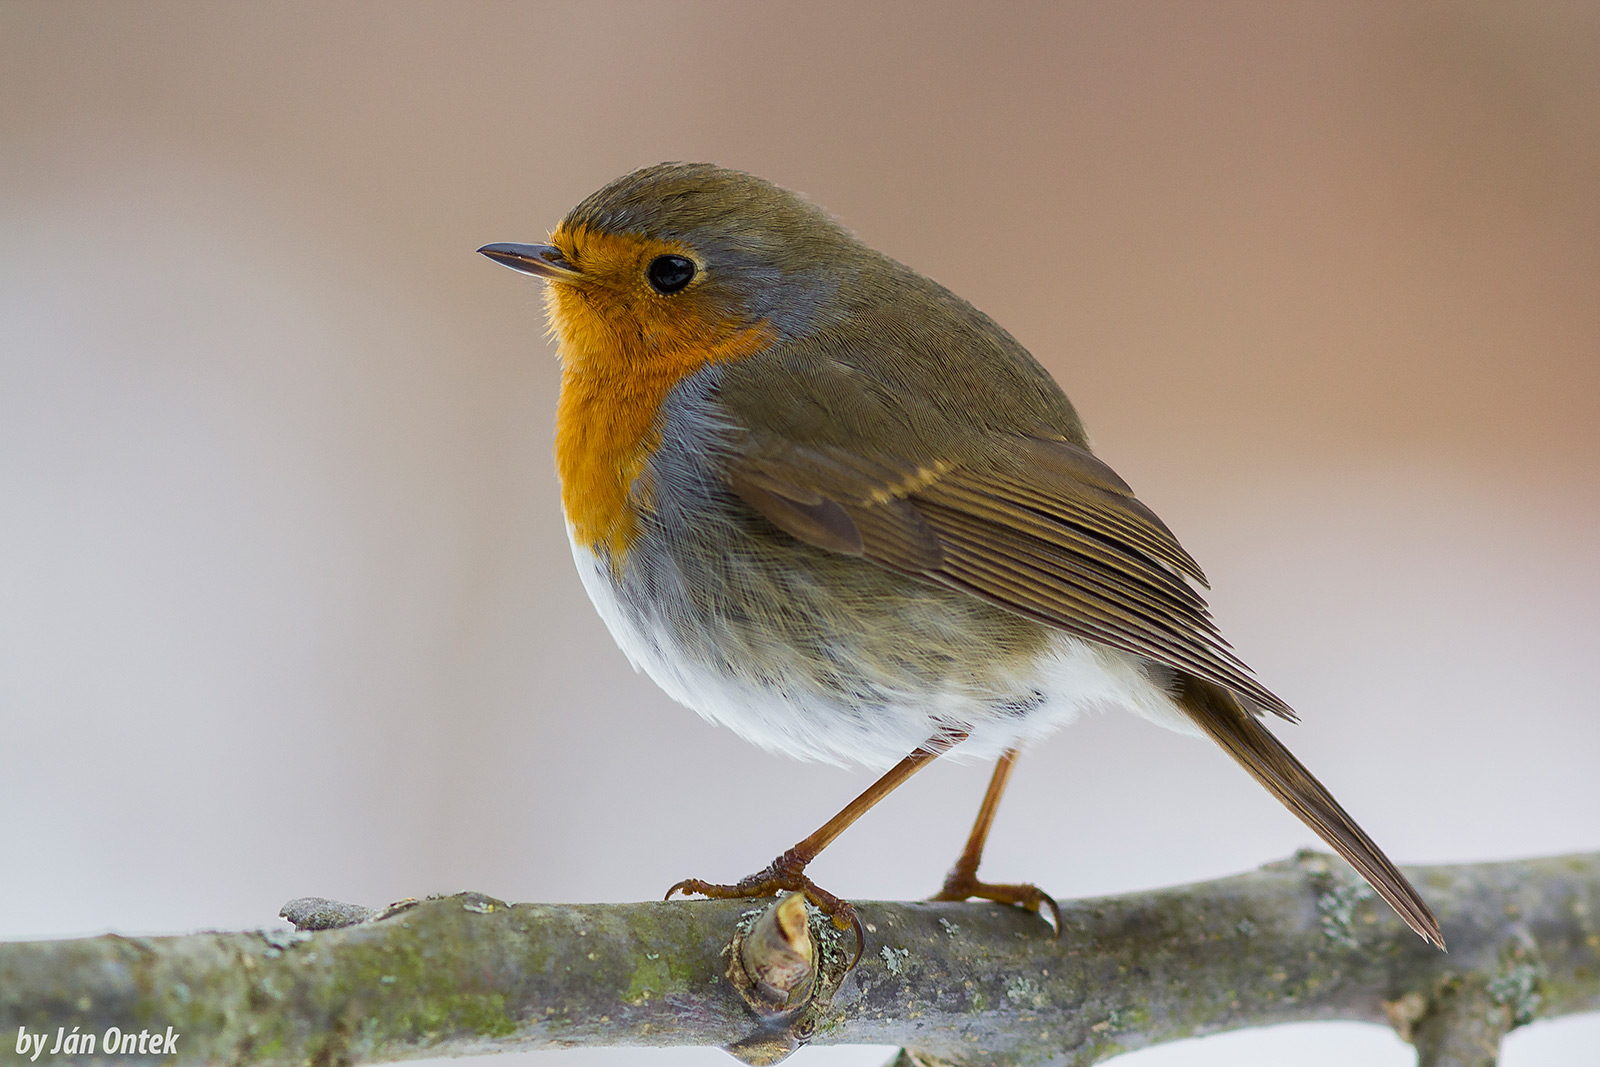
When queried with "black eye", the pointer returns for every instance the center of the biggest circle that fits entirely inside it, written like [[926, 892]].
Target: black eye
[[668, 274]]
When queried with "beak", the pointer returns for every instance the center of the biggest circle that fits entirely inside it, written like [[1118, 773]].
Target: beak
[[541, 261]]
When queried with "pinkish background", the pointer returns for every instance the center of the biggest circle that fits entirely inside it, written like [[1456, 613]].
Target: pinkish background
[[285, 600]]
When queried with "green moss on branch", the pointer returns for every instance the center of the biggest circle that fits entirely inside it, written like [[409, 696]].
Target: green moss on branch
[[966, 983]]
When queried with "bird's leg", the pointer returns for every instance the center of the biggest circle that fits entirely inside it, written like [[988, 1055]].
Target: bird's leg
[[962, 881], [787, 872]]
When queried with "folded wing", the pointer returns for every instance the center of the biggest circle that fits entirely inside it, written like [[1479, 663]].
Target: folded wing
[[1038, 526]]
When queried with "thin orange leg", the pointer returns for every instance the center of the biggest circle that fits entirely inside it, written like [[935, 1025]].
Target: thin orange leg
[[962, 881], [787, 872]]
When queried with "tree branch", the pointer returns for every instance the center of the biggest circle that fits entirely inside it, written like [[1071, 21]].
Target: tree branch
[[967, 983]]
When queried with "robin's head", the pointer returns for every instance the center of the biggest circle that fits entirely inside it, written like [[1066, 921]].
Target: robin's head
[[659, 274], [684, 258]]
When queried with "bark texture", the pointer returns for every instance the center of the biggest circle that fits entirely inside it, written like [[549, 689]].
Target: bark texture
[[972, 983]]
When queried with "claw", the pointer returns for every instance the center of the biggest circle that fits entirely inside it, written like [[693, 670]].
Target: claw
[[1055, 912], [783, 875], [846, 918], [961, 885], [686, 887]]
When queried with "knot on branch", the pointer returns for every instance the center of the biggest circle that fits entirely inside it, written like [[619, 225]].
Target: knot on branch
[[786, 961], [1467, 1014]]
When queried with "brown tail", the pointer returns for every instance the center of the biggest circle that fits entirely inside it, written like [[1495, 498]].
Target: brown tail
[[1226, 721]]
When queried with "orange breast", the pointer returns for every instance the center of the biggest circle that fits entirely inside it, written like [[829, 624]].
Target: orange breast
[[623, 349]]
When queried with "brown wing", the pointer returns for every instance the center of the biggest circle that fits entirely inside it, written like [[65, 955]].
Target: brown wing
[[1038, 526], [1044, 529]]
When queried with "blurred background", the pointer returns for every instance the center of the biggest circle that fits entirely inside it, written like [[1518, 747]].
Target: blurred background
[[286, 605]]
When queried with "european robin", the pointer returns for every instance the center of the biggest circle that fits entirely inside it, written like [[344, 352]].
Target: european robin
[[825, 502]]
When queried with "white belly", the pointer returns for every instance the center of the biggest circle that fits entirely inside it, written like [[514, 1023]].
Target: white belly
[[772, 697]]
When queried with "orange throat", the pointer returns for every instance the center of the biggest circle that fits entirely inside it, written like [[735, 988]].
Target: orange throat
[[616, 373]]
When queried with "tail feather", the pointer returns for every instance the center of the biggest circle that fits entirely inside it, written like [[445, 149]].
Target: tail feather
[[1226, 721]]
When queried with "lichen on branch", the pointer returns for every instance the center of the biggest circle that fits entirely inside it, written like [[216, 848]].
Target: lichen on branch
[[963, 983]]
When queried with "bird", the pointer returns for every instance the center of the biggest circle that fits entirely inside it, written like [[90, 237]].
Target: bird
[[824, 501]]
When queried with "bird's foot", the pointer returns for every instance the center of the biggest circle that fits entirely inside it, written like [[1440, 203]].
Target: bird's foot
[[786, 874], [962, 884]]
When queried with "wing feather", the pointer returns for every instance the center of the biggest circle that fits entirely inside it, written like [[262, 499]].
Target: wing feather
[[1037, 526], [1082, 610]]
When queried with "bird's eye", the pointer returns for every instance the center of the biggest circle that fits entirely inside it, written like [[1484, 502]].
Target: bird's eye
[[668, 274]]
